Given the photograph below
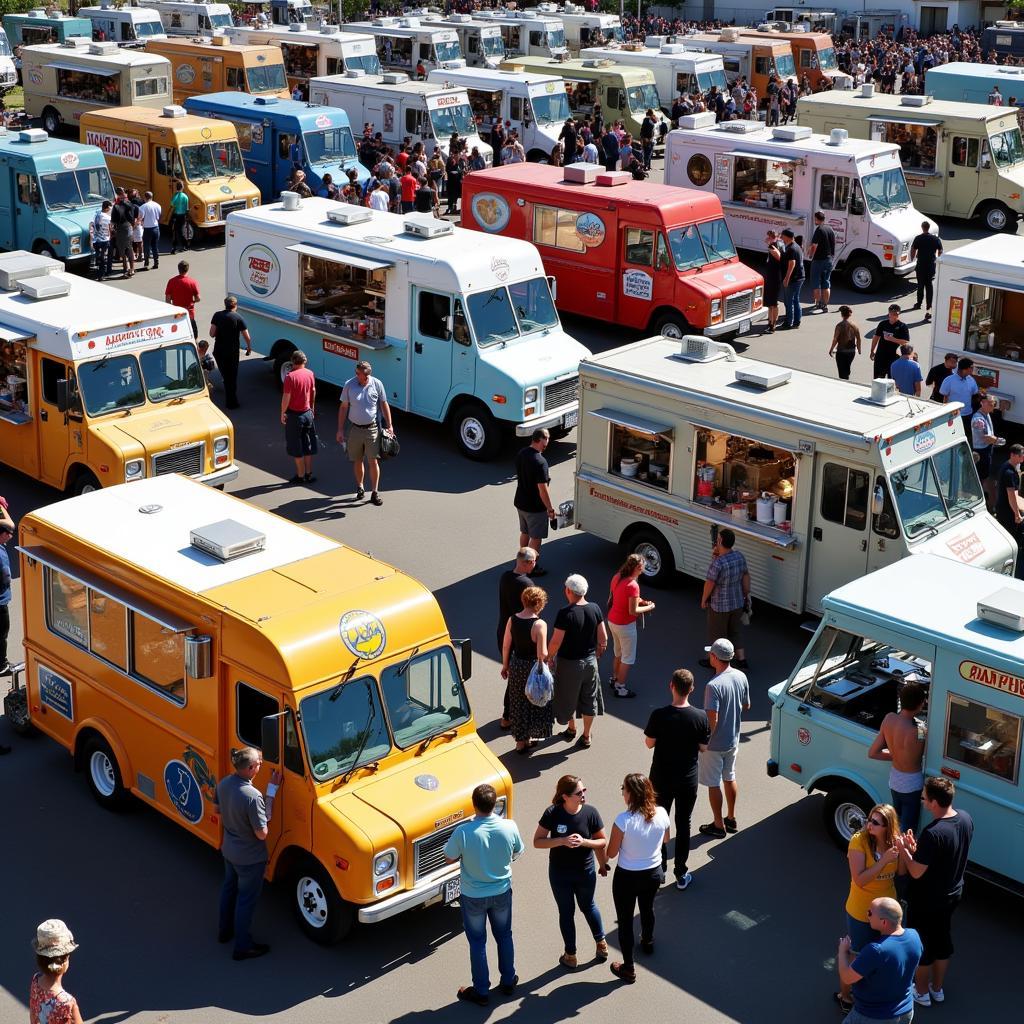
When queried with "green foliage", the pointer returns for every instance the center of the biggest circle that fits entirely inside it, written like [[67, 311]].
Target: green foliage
[[19, 6]]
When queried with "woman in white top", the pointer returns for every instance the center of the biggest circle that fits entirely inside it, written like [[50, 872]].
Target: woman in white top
[[637, 837]]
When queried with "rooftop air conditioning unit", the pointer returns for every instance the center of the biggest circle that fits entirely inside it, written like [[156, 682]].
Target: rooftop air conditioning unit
[[346, 215], [581, 174], [354, 72], [915, 101], [296, 26], [173, 110], [838, 137], [791, 132], [103, 48], [32, 135], [20, 265], [740, 127], [325, 30], [763, 375], [408, 22], [394, 78], [460, 18], [702, 120], [883, 391], [655, 41], [1004, 608], [729, 35], [673, 48], [695, 348], [425, 226], [227, 540], [609, 179], [45, 287]]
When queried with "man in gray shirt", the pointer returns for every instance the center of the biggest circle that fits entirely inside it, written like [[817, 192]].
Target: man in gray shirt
[[726, 697], [245, 816], [364, 402]]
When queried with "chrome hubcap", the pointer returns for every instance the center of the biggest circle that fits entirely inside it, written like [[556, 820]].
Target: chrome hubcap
[[312, 901], [101, 770], [849, 818], [472, 433], [651, 556], [996, 218], [862, 278], [672, 330]]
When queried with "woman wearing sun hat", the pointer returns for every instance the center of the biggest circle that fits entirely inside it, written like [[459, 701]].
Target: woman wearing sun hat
[[48, 1002]]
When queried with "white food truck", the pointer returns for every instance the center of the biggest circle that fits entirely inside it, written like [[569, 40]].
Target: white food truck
[[404, 43], [196, 18], [527, 33], [427, 112], [582, 27], [821, 480], [535, 105], [126, 26], [778, 177], [482, 42], [460, 326]]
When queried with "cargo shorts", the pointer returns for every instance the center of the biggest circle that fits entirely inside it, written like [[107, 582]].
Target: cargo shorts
[[363, 442]]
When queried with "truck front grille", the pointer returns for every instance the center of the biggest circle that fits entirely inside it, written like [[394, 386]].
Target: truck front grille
[[232, 207], [428, 852], [188, 461], [560, 393], [739, 304]]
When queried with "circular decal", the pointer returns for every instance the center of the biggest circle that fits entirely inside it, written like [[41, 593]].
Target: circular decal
[[428, 782], [363, 634], [590, 229], [924, 442], [69, 160], [804, 736], [698, 169], [225, 189], [184, 791], [491, 211], [259, 270], [729, 277], [185, 73]]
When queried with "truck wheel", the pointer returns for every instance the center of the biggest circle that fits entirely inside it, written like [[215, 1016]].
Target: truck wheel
[[864, 274], [845, 811], [538, 156], [659, 565], [998, 218], [41, 248], [104, 775], [282, 361], [51, 121], [671, 325], [85, 483], [476, 432], [323, 915]]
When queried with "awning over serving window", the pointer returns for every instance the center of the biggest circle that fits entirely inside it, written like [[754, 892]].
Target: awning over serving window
[[986, 282], [775, 158], [339, 257], [102, 72], [897, 119], [628, 419]]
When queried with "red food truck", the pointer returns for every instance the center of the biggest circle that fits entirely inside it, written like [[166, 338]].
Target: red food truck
[[653, 257]]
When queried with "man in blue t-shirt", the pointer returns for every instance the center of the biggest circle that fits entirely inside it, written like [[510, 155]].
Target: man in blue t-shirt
[[906, 372], [882, 973]]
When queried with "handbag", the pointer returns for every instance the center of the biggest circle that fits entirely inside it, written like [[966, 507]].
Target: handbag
[[389, 446], [540, 685]]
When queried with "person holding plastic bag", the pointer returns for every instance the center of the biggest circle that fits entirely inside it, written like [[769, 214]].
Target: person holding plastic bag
[[526, 643]]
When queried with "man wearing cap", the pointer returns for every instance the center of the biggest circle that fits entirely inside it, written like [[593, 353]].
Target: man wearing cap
[[726, 697]]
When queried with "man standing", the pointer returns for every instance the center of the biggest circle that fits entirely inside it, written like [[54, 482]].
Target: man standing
[[936, 863], [927, 248], [99, 239], [579, 638], [123, 216], [1009, 510], [792, 280], [6, 533], [821, 252], [983, 439], [900, 742], [408, 184], [532, 500], [647, 130], [610, 147], [245, 815], [726, 697], [886, 340], [179, 218], [726, 594], [484, 848], [183, 291], [906, 372], [150, 212], [298, 416], [364, 403], [938, 373], [961, 387], [510, 591], [677, 734], [227, 329], [567, 136]]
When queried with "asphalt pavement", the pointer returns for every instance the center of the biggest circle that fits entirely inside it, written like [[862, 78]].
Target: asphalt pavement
[[752, 939]]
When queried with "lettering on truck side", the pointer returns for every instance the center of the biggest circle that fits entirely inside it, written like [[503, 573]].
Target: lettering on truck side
[[975, 673], [630, 507], [114, 145]]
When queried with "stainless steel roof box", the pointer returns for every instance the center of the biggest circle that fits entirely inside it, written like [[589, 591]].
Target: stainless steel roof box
[[227, 540]]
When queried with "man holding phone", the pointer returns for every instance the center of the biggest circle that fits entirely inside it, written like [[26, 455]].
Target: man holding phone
[[885, 342]]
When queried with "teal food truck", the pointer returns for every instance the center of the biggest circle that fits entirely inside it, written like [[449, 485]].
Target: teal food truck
[[275, 135], [967, 82], [49, 192], [956, 629], [34, 28]]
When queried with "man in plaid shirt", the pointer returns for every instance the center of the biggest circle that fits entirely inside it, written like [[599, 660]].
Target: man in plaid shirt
[[726, 595]]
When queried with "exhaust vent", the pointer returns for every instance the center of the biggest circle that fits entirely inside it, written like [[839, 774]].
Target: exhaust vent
[[173, 110], [394, 78], [695, 348], [290, 201], [227, 540], [867, 90], [348, 215]]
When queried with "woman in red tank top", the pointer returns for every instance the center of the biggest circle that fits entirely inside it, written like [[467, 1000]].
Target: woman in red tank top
[[625, 606]]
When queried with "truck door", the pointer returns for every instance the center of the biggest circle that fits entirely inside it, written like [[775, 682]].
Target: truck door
[[885, 545], [437, 358], [29, 213], [834, 200], [55, 428], [647, 274], [968, 155], [838, 549], [7, 207]]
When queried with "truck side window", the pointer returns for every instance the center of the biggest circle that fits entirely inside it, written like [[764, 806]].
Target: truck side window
[[557, 228], [844, 496], [762, 66], [158, 657], [66, 607], [807, 59], [253, 706], [28, 189], [432, 312], [834, 192], [292, 751], [108, 630], [460, 326], [983, 737], [52, 372], [885, 523], [235, 79], [516, 108], [965, 151], [664, 260], [615, 98], [640, 247], [732, 67], [334, 66], [536, 39], [244, 136], [165, 161]]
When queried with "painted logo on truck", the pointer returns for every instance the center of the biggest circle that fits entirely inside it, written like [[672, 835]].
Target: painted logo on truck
[[490, 211], [637, 285], [69, 160], [259, 270], [924, 442], [363, 634], [183, 790], [115, 145], [186, 74], [590, 229], [997, 679]]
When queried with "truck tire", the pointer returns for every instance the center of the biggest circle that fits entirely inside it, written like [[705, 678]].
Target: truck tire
[[51, 121], [864, 274], [476, 432], [538, 156], [672, 324], [998, 217], [845, 811], [322, 914], [84, 483], [659, 564], [103, 774]]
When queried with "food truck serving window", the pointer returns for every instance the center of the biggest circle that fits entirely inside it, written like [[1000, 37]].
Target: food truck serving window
[[917, 142], [983, 737], [14, 397], [763, 182], [639, 449], [557, 228], [994, 318], [934, 490], [93, 87], [342, 297], [344, 728]]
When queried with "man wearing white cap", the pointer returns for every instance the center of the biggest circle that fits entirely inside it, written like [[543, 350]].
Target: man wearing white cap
[[726, 697]]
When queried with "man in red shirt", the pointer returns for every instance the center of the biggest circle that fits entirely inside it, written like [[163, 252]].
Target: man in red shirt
[[409, 185], [183, 291], [298, 409]]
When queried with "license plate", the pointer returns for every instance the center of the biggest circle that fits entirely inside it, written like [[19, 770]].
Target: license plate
[[452, 890], [744, 326], [570, 419]]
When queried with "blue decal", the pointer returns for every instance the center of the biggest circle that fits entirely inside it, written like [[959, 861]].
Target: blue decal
[[184, 791], [56, 694]]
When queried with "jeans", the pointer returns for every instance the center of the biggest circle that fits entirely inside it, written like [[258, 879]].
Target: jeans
[[178, 231], [238, 895], [5, 629], [856, 1017], [476, 912], [630, 889], [572, 888], [151, 245], [925, 289], [844, 363], [104, 257], [821, 274], [791, 301], [684, 795], [908, 809], [648, 153]]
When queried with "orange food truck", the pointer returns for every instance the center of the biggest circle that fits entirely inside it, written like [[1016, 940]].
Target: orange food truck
[[642, 255], [755, 58], [813, 53]]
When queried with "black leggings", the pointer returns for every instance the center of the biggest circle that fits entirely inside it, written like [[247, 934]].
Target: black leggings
[[925, 289], [630, 889]]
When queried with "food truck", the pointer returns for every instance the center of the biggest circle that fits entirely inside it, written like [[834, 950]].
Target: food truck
[[814, 20], [167, 624], [822, 480], [403, 43], [954, 630], [100, 386], [427, 112], [63, 81], [34, 28], [754, 58], [1004, 38], [534, 105], [126, 26], [966, 82], [584, 28], [209, 65], [676, 69], [50, 191], [527, 32], [293, 12], [778, 177], [309, 54], [460, 328], [191, 17], [960, 159], [481, 42], [624, 93], [813, 53], [154, 149], [636, 254], [8, 70], [269, 130]]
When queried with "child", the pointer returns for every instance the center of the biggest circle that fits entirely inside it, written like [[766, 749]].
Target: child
[[48, 1000]]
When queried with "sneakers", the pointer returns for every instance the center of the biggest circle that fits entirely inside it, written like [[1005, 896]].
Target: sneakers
[[360, 494], [682, 884], [623, 691], [730, 825], [602, 952], [711, 829], [921, 1000], [937, 995], [376, 499]]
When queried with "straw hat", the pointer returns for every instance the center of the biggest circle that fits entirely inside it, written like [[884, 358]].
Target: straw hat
[[54, 938]]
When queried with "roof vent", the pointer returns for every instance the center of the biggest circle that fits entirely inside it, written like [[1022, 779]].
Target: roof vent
[[791, 132], [459, 18], [218, 38], [915, 101], [740, 127], [32, 135], [327, 30], [354, 73], [45, 287], [21, 265], [703, 120], [394, 78], [673, 48], [290, 201], [763, 376], [601, 62], [408, 22], [609, 179], [883, 392], [1004, 608], [346, 215], [79, 43], [695, 348], [729, 35], [265, 101], [426, 226], [653, 42], [297, 26], [227, 540], [173, 110], [867, 90], [838, 137], [581, 174], [103, 48], [42, 14]]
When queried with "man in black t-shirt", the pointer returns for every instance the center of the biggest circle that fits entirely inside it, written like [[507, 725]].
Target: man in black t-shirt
[[1008, 506], [821, 253], [938, 373], [677, 733], [510, 593], [886, 341], [532, 501], [926, 250], [227, 329]]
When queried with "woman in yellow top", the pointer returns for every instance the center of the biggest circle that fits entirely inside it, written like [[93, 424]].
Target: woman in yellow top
[[874, 863]]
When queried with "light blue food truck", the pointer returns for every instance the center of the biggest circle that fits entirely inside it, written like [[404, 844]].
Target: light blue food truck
[[34, 28], [956, 629], [277, 135], [50, 190], [967, 82]]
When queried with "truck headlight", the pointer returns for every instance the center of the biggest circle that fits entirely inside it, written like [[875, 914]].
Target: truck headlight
[[758, 295], [716, 310], [75, 245], [134, 470], [501, 806], [221, 450], [530, 396], [1008, 567], [255, 200], [385, 863], [211, 211]]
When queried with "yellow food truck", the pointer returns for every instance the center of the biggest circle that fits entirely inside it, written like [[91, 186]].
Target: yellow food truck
[[152, 149], [205, 65], [167, 624], [101, 386]]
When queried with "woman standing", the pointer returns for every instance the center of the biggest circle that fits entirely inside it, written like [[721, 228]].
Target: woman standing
[[845, 343], [874, 863], [625, 606], [637, 837], [48, 1003], [455, 171], [573, 831], [772, 272], [526, 643]]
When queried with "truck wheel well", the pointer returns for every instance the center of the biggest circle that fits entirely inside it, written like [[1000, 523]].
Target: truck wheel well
[[81, 742], [74, 473], [288, 861], [830, 782], [860, 254], [281, 347], [664, 312]]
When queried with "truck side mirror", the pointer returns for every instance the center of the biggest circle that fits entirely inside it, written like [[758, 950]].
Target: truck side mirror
[[878, 501], [448, 322], [857, 206], [466, 654], [63, 395], [270, 739], [553, 285]]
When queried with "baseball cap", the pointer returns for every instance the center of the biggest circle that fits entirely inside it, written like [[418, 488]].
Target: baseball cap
[[722, 648]]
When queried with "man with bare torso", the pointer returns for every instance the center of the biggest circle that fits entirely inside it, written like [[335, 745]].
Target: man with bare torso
[[900, 742]]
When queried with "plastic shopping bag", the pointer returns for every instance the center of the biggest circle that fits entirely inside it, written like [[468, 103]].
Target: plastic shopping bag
[[540, 685]]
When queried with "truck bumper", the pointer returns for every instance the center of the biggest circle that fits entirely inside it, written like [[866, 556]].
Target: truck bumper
[[427, 892], [906, 270], [733, 326], [567, 416], [219, 477]]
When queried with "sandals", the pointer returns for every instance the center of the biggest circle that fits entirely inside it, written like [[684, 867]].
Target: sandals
[[569, 735], [624, 973], [585, 742], [846, 1005]]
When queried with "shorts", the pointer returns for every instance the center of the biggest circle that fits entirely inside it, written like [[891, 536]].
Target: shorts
[[933, 922], [137, 233], [821, 274], [533, 524], [716, 766], [624, 642], [984, 462], [363, 442], [577, 689], [861, 933], [725, 624], [300, 434]]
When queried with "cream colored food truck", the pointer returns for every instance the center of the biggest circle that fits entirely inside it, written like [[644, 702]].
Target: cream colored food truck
[[584, 28], [126, 26], [482, 42], [960, 159], [100, 386], [63, 81], [527, 32], [191, 17], [403, 43], [821, 480]]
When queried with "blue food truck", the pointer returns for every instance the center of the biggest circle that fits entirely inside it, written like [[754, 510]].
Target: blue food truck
[[967, 82], [34, 28], [277, 135], [50, 190]]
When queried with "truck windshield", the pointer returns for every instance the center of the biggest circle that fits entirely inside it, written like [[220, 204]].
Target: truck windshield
[[493, 46], [172, 371], [265, 78], [556, 38], [886, 191], [68, 190], [332, 146], [698, 244], [369, 63], [492, 316], [211, 160], [550, 108], [5, 46], [339, 723], [1007, 148], [112, 383], [533, 306], [827, 59], [148, 28], [447, 51], [424, 696], [643, 97], [446, 120], [933, 491], [784, 65], [221, 21], [706, 79]]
